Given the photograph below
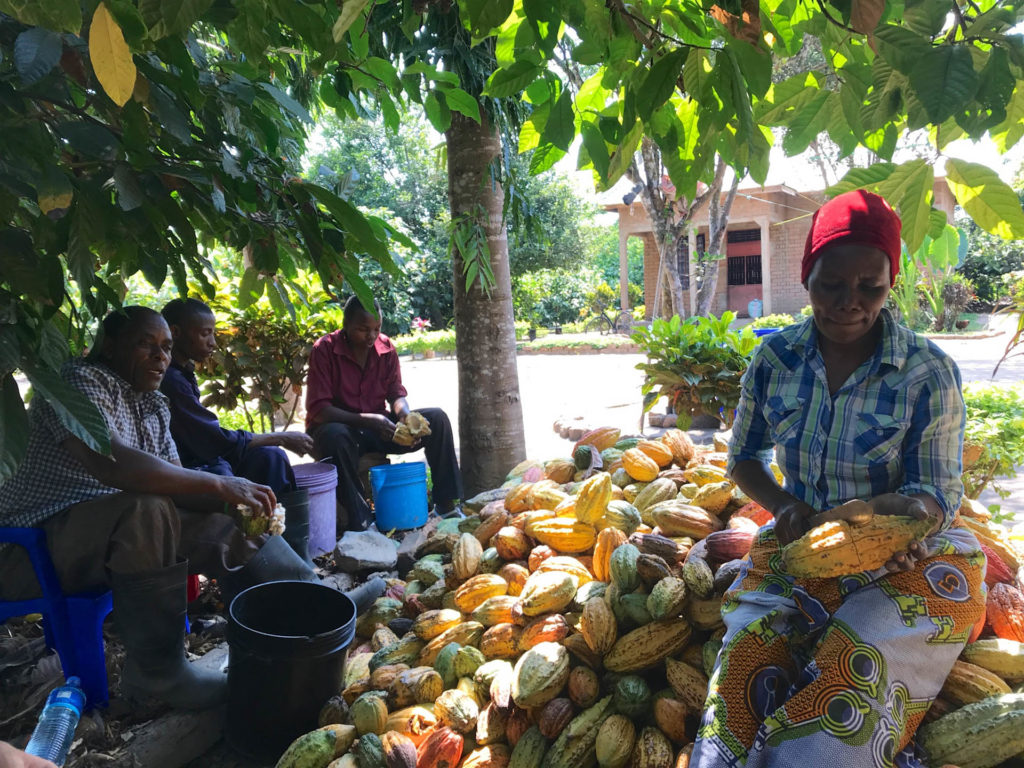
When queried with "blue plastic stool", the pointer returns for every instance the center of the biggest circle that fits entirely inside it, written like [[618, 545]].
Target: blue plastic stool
[[73, 624]]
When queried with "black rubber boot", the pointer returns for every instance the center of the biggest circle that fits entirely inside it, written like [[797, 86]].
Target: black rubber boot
[[275, 561], [149, 614], [296, 522]]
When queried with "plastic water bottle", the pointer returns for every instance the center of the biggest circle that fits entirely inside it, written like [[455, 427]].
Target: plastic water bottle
[[56, 727]]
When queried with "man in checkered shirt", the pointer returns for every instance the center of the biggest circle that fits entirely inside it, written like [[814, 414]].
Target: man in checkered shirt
[[117, 521]]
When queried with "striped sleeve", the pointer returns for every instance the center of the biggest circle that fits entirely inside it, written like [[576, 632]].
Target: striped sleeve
[[933, 459]]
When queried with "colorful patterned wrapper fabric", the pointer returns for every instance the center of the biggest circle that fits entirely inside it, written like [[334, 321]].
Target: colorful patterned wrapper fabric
[[840, 671]]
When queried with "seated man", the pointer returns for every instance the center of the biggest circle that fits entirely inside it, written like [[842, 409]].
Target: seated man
[[111, 522], [353, 376], [201, 441]]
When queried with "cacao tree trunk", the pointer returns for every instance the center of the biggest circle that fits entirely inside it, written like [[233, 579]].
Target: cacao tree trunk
[[718, 223], [491, 435]]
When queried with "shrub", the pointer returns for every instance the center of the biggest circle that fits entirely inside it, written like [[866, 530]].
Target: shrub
[[773, 321], [696, 364], [548, 296], [995, 424]]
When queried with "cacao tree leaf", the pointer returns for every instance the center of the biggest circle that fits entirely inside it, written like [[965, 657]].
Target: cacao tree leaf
[[36, 52], [350, 11], [438, 113], [485, 15], [53, 191], [111, 59], [865, 14], [171, 17], [862, 178], [991, 202], [660, 82], [909, 187], [944, 80], [55, 15], [560, 129], [510, 81], [460, 101], [544, 157], [76, 411], [1009, 132], [129, 194], [287, 102], [596, 149]]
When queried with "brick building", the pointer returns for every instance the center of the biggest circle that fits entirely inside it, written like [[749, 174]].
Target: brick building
[[765, 241]]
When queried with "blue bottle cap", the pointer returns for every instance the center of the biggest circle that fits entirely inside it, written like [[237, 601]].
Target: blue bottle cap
[[69, 695]]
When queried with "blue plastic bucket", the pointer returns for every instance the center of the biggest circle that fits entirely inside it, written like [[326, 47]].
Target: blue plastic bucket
[[399, 495], [321, 481]]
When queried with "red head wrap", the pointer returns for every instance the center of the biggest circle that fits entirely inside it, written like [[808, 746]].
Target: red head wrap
[[857, 217]]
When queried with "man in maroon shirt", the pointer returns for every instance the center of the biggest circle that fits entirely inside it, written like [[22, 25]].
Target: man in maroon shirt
[[353, 377]]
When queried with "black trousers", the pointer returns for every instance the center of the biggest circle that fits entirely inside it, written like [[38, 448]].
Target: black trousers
[[344, 445]]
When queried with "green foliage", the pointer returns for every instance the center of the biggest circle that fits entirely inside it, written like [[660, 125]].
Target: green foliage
[[549, 297], [696, 363], [260, 365], [988, 258], [807, 311], [773, 321], [205, 152], [469, 238], [439, 342], [605, 250], [995, 421]]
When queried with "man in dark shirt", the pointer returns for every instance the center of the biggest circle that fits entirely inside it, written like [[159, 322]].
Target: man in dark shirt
[[201, 441], [354, 376]]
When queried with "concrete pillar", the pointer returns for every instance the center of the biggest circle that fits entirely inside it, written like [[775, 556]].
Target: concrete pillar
[[766, 265], [623, 267]]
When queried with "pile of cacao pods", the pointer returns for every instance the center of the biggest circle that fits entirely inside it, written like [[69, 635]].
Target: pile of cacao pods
[[574, 617]]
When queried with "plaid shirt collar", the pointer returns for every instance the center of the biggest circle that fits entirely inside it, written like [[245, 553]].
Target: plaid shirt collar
[[891, 352], [149, 402]]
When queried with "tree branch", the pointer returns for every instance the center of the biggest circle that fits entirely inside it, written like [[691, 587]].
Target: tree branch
[[835, 21]]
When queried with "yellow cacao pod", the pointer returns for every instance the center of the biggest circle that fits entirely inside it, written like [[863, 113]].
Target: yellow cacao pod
[[657, 450], [593, 497], [546, 592], [680, 444], [607, 540], [565, 535], [968, 682], [838, 548], [639, 465], [474, 591], [466, 556], [598, 627]]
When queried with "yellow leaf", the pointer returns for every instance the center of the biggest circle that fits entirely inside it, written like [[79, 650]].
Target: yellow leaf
[[111, 57]]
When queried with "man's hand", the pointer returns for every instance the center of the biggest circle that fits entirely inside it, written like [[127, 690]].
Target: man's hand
[[15, 758], [380, 424], [898, 504], [792, 521], [296, 442], [238, 490]]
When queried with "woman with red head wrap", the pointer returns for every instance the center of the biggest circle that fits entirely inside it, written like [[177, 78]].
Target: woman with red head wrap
[[840, 671]]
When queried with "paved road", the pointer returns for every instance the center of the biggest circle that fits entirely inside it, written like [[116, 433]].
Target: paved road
[[605, 390]]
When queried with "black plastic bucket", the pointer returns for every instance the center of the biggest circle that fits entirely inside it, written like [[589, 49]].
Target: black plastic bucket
[[287, 645]]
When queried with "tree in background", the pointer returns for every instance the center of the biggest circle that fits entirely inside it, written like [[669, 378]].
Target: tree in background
[[989, 258], [399, 174]]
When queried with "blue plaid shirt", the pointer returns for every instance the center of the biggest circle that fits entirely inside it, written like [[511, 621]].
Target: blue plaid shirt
[[896, 425]]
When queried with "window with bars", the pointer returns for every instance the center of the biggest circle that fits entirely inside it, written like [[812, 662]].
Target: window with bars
[[743, 236], [744, 270]]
